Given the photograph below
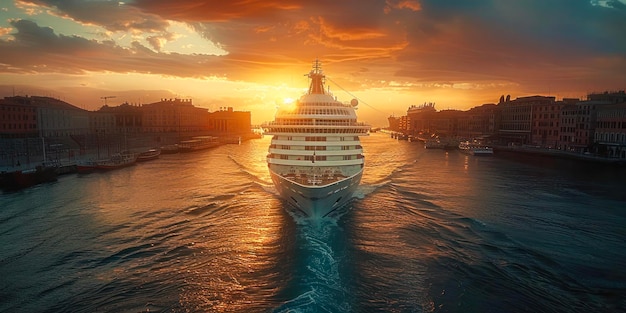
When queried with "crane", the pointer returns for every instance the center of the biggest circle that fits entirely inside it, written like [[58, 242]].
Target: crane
[[107, 97]]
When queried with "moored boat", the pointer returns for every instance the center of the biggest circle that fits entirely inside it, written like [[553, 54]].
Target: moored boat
[[169, 149], [475, 148], [198, 143], [118, 160], [151, 154], [20, 179], [433, 143], [86, 165], [315, 157]]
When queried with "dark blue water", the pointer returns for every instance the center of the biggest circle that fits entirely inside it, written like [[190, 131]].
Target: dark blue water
[[428, 231]]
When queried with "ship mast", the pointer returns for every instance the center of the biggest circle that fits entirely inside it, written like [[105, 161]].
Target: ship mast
[[317, 79]]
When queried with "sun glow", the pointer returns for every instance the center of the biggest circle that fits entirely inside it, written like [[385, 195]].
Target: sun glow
[[287, 105]]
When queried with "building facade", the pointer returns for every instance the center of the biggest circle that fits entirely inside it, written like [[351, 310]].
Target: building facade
[[229, 121], [53, 117], [17, 120], [174, 115], [420, 118], [610, 132]]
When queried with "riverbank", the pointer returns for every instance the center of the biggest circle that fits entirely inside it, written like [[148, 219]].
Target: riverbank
[[26, 163], [503, 150]]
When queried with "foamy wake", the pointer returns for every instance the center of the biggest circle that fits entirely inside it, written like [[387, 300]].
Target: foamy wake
[[318, 277]]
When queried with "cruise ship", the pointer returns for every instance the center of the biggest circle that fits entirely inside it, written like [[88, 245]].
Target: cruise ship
[[315, 157]]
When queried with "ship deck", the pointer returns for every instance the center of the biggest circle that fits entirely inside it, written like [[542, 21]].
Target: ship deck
[[315, 180]]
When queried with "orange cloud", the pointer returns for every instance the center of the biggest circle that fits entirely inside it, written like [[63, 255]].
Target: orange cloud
[[215, 11], [403, 4]]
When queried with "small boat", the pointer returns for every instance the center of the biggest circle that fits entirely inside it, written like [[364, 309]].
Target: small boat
[[433, 143], [27, 176], [86, 166], [21, 179], [475, 148], [170, 149], [117, 160], [151, 154], [198, 143]]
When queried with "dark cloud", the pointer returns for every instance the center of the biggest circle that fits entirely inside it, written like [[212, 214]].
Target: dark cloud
[[39, 49], [566, 43], [112, 15], [216, 10]]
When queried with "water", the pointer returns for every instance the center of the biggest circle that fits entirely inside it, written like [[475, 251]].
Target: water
[[428, 231]]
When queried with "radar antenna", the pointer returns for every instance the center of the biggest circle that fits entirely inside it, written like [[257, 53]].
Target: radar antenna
[[317, 78]]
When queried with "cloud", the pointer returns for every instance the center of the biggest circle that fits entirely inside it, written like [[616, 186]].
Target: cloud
[[216, 10], [569, 43], [39, 49], [112, 15], [403, 4]]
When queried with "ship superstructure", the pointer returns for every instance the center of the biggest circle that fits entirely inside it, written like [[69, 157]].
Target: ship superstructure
[[315, 157]]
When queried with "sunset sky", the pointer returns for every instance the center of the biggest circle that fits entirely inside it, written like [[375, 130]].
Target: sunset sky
[[252, 55]]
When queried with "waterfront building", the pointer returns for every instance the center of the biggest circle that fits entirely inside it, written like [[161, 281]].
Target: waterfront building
[[595, 125], [394, 123], [586, 122], [229, 121], [516, 118], [174, 115], [47, 125], [18, 119], [614, 97], [128, 118], [101, 122], [569, 139], [478, 122], [610, 131], [445, 123], [420, 117], [545, 123], [54, 118], [404, 124]]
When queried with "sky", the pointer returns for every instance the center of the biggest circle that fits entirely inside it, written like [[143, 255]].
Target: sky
[[253, 55]]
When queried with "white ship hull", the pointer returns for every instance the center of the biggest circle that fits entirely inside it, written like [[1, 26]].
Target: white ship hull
[[315, 157], [318, 201]]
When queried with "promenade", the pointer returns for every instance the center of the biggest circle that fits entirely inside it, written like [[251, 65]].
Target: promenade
[[27, 153], [558, 154]]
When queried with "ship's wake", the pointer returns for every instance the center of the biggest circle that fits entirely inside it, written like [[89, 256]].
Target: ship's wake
[[317, 285], [365, 189], [256, 177], [374, 180]]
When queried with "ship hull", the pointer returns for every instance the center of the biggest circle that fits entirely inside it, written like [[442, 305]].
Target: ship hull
[[316, 201]]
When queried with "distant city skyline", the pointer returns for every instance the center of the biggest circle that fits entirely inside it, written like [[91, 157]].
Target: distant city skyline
[[252, 55]]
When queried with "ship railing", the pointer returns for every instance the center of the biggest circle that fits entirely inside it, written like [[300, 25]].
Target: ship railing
[[316, 123], [314, 180]]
